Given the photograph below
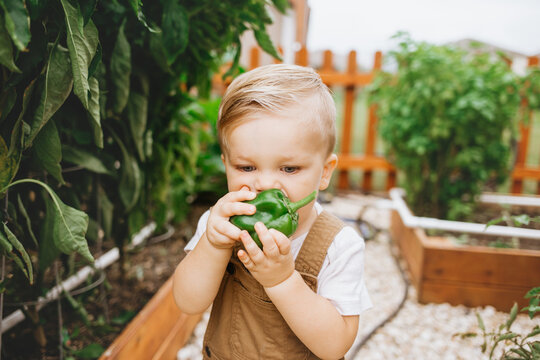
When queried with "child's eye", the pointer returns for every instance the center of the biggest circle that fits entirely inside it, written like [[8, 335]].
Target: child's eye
[[246, 168], [290, 169]]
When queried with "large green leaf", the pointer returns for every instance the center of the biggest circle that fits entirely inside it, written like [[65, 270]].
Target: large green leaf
[[48, 251], [107, 208], [17, 22], [8, 165], [57, 87], [24, 213], [69, 226], [175, 26], [264, 41], [6, 49], [82, 41], [137, 113], [84, 158], [94, 112], [48, 150], [120, 71], [21, 253], [130, 184]]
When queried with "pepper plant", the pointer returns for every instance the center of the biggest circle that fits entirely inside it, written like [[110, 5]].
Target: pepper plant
[[448, 121], [99, 127]]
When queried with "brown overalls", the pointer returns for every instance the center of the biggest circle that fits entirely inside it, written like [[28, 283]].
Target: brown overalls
[[244, 324]]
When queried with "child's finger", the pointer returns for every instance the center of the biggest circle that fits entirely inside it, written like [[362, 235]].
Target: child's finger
[[245, 259], [283, 243], [269, 245], [238, 208], [251, 248]]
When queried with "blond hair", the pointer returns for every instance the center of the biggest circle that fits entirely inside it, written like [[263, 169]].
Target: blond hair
[[277, 88]]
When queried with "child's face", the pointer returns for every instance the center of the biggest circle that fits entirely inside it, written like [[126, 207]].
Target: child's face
[[269, 151]]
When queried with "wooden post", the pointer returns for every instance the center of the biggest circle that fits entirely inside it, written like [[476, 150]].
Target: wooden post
[[523, 145], [301, 57], [254, 59], [347, 125], [371, 134]]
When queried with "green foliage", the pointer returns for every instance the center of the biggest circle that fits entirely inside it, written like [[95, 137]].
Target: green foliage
[[448, 121], [98, 106], [515, 346]]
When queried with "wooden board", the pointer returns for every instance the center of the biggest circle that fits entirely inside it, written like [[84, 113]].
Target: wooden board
[[158, 331], [472, 276]]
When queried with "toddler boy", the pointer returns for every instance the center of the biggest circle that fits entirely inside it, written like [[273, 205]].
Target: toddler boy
[[297, 297]]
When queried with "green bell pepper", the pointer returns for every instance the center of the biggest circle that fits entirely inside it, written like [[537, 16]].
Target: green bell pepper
[[275, 210]]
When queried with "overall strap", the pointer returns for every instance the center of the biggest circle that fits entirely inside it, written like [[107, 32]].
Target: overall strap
[[313, 252]]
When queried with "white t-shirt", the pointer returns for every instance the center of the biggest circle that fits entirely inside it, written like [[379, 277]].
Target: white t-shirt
[[341, 279]]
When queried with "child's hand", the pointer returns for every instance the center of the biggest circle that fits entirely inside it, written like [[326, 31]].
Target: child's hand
[[272, 265], [219, 231]]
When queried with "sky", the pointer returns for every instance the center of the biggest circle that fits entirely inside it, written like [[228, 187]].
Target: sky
[[366, 26]]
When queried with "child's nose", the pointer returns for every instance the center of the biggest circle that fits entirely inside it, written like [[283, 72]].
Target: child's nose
[[265, 182]]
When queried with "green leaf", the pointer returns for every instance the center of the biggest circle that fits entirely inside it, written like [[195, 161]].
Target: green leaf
[[264, 41], [6, 49], [47, 149], [8, 165], [8, 98], [512, 318], [107, 208], [24, 213], [94, 112], [120, 71], [130, 184], [82, 41], [58, 84], [281, 5], [137, 113], [175, 26], [136, 5], [48, 251], [84, 158], [28, 270], [69, 226], [480, 322], [17, 22]]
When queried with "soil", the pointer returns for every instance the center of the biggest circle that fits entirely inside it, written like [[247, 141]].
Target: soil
[[118, 298], [489, 212]]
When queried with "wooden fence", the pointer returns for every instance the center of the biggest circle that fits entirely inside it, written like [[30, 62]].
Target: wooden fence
[[352, 81]]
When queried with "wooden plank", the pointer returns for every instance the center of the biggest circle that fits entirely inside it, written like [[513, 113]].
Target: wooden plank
[[254, 57], [472, 296], [334, 78], [411, 249], [522, 172], [482, 266], [301, 57], [348, 161], [177, 338], [371, 133], [145, 334], [347, 125]]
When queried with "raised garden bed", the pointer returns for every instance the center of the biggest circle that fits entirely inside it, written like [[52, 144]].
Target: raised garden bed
[[443, 271]]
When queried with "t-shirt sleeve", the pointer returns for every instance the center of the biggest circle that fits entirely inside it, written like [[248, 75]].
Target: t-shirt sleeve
[[341, 279], [201, 228]]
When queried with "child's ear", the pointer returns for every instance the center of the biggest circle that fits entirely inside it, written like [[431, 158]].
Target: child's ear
[[329, 167], [223, 159]]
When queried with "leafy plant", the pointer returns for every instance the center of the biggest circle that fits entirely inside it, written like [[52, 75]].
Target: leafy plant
[[97, 102], [448, 120], [515, 346]]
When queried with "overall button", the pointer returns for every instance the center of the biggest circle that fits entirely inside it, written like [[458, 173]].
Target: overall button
[[230, 268]]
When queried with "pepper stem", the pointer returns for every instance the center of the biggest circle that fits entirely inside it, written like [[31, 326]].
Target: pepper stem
[[294, 206]]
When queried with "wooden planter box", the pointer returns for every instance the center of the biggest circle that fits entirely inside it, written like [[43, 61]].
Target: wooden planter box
[[158, 331], [469, 275]]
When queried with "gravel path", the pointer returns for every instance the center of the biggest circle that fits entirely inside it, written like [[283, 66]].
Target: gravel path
[[417, 331]]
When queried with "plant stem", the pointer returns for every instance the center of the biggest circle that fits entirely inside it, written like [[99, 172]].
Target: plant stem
[[301, 203]]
